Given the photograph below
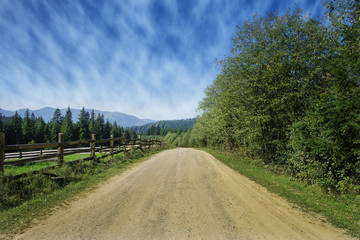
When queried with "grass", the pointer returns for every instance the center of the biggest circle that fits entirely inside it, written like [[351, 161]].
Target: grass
[[10, 170], [46, 194], [341, 210]]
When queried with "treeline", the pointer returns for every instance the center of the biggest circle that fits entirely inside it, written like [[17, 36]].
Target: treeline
[[289, 94], [31, 129], [181, 138], [165, 126]]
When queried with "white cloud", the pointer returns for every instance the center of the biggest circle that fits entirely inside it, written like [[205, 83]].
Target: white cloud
[[115, 58]]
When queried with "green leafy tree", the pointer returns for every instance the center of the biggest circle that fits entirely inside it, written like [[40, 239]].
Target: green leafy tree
[[265, 84], [327, 138]]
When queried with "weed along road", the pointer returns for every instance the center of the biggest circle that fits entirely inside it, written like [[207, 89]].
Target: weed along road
[[181, 194]]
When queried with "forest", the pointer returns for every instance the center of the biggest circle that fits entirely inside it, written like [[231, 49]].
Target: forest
[[31, 129], [165, 126], [288, 94]]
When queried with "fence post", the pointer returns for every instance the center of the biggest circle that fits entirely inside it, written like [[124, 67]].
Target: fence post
[[92, 146], [124, 142], [111, 144], [2, 151], [60, 151]]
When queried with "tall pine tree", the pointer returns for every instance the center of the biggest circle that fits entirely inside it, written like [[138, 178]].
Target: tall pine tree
[[27, 127], [14, 130], [56, 122], [40, 131], [67, 126], [99, 126], [92, 122], [83, 124]]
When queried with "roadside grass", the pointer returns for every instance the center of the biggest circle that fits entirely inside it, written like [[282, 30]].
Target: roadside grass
[[45, 194], [341, 210]]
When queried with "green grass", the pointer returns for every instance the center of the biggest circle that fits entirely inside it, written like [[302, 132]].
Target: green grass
[[341, 210], [45, 194], [10, 170]]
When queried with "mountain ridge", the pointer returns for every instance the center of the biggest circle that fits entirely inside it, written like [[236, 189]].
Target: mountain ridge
[[122, 119]]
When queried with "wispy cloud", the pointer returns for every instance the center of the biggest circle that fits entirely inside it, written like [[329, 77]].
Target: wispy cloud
[[151, 59]]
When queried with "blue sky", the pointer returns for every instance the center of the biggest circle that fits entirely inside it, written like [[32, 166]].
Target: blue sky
[[151, 59]]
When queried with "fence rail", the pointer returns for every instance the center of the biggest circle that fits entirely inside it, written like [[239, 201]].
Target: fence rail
[[24, 153]]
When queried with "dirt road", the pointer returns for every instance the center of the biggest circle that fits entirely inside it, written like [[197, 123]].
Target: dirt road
[[181, 194]]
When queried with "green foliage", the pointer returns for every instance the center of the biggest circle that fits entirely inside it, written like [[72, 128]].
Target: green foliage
[[92, 121], [289, 94], [180, 138], [35, 130], [28, 127], [13, 131], [99, 127], [116, 130], [328, 137], [67, 126], [163, 127], [83, 125], [55, 125]]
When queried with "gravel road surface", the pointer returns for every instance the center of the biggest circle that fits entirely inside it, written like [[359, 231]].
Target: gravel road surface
[[181, 194]]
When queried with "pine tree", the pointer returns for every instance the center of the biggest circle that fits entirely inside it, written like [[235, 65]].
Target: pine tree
[[27, 127], [133, 134], [14, 130], [83, 123], [40, 131], [107, 129], [99, 126], [127, 134], [67, 126], [56, 122], [92, 122], [115, 130]]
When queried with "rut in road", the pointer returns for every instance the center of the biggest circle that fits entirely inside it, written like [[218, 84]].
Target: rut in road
[[181, 194]]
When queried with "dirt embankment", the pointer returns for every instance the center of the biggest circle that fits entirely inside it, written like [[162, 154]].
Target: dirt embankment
[[181, 194]]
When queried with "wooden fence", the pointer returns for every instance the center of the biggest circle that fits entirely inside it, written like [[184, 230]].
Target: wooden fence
[[24, 153]]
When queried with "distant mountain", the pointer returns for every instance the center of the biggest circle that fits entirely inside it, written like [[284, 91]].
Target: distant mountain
[[167, 124], [47, 113]]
